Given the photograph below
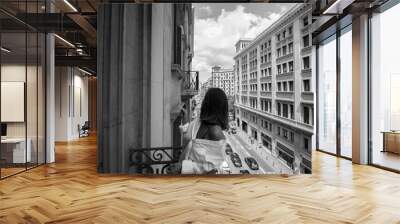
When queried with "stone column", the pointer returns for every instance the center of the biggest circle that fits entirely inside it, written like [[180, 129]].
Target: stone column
[[50, 92], [123, 88], [360, 90]]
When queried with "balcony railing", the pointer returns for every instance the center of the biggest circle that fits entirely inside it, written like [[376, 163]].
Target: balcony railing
[[159, 160], [190, 83]]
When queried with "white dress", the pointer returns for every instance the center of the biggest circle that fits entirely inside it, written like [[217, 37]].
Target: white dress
[[200, 156]]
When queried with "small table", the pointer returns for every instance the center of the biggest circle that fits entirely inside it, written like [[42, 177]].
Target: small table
[[13, 150], [391, 141]]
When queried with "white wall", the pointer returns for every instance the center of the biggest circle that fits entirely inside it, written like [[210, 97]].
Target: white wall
[[70, 83]]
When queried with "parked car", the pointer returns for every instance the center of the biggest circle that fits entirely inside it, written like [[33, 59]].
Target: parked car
[[237, 162], [244, 172], [252, 163]]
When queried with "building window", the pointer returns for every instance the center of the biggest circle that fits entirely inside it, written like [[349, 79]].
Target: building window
[[290, 66], [306, 85], [279, 87], [290, 29], [279, 52], [306, 62], [279, 69], [278, 37], [306, 115], [291, 86], [284, 50], [290, 46], [305, 21], [306, 41], [284, 86], [291, 136], [284, 67], [278, 105], [284, 34], [306, 147], [291, 111], [285, 110]]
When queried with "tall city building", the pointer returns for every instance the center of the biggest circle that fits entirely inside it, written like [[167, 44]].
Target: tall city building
[[274, 99], [223, 79]]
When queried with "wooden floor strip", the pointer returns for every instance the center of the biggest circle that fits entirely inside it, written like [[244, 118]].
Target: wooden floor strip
[[71, 191]]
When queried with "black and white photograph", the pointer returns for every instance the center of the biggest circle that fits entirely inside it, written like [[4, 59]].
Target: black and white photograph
[[226, 89]]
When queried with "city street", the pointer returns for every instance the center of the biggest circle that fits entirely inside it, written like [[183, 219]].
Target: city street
[[244, 150]]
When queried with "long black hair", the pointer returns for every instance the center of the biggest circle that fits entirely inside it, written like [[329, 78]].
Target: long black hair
[[214, 108]]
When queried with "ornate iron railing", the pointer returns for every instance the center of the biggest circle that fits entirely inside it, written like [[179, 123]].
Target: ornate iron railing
[[159, 160], [191, 83]]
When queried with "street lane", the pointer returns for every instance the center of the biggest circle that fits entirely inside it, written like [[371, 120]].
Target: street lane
[[251, 151], [241, 150]]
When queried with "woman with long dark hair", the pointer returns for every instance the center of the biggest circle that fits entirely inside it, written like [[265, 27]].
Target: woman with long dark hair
[[203, 139]]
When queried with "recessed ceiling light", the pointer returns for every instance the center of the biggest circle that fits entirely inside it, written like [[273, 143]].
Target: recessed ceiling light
[[5, 50], [70, 5], [84, 71], [64, 40]]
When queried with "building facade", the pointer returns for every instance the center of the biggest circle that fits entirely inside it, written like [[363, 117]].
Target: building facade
[[146, 84], [223, 79], [274, 98]]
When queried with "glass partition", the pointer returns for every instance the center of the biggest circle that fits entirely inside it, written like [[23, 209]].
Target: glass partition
[[22, 78], [385, 89], [346, 92], [14, 153], [327, 95]]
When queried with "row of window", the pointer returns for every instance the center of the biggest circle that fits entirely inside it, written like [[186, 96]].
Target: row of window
[[266, 45], [266, 105], [266, 72], [285, 133], [281, 131], [285, 86], [253, 53], [266, 87], [285, 110], [285, 67], [285, 33], [282, 86], [265, 59], [284, 50], [253, 87], [253, 75]]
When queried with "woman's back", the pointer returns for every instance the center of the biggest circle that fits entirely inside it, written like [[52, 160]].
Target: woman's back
[[210, 132]]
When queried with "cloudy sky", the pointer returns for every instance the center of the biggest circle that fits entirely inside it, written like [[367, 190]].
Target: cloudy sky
[[218, 26]]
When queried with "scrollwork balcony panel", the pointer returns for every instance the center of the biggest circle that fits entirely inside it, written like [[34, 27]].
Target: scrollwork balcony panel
[[190, 83], [159, 160]]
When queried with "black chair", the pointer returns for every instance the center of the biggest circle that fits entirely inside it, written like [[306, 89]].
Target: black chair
[[84, 130]]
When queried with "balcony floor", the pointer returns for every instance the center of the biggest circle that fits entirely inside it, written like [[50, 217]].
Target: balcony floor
[[71, 191]]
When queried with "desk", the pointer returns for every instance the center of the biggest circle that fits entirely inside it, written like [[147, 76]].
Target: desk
[[391, 141], [13, 150]]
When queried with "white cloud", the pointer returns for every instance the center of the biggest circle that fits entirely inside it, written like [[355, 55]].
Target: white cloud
[[204, 11], [215, 38]]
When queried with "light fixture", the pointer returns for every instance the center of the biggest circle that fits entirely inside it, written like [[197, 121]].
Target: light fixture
[[5, 50], [338, 6], [84, 71], [70, 5], [64, 40]]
